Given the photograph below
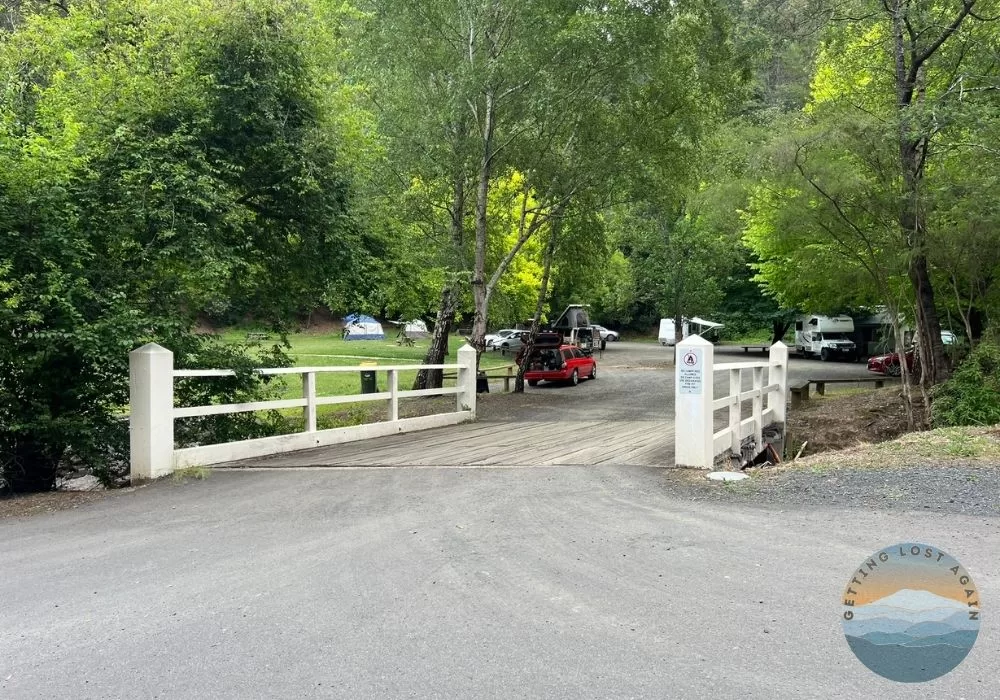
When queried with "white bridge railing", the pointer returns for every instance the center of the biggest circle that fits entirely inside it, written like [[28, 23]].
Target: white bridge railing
[[696, 442], [152, 411]]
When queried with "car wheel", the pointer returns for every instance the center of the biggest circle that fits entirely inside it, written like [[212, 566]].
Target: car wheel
[[574, 378], [824, 355], [532, 382], [893, 370], [593, 372]]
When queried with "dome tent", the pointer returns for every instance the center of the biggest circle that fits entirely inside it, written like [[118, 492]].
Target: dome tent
[[416, 329], [361, 327]]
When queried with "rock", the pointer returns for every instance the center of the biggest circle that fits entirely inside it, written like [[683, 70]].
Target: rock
[[83, 483]]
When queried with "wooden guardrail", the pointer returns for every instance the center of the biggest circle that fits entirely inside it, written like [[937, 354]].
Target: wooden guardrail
[[152, 411], [800, 390], [505, 372]]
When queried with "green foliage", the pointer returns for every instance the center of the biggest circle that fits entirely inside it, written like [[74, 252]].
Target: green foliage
[[972, 395], [159, 160]]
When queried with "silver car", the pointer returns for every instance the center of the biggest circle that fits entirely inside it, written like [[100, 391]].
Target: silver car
[[606, 335], [507, 339]]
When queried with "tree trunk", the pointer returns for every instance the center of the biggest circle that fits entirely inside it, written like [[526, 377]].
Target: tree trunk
[[932, 356], [479, 292], [432, 378], [543, 292], [778, 330], [914, 140], [904, 374]]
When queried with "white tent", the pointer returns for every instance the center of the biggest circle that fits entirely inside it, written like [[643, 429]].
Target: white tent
[[415, 329]]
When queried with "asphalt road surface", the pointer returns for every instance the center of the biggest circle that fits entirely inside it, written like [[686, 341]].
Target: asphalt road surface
[[564, 582], [555, 582]]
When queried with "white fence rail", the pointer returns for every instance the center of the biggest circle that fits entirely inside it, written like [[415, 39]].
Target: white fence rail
[[152, 411], [696, 442]]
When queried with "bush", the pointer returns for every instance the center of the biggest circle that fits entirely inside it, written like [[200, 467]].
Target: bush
[[972, 395]]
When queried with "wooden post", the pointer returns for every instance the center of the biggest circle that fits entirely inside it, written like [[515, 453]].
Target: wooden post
[[393, 395], [151, 412], [693, 431], [466, 380], [735, 409], [777, 373], [309, 394], [758, 408]]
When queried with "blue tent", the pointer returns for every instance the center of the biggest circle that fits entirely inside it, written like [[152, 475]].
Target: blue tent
[[361, 327]]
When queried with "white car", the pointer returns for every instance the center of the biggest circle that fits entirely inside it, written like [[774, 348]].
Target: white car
[[506, 338], [609, 336]]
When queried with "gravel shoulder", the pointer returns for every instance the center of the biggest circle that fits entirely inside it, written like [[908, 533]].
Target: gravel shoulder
[[954, 487]]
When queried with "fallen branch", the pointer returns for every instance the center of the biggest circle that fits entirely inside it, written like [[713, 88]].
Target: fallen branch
[[801, 450]]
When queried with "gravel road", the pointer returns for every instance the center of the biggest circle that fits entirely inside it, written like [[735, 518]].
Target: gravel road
[[563, 582]]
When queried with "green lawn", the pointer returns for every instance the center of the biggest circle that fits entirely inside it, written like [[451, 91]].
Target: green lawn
[[330, 350]]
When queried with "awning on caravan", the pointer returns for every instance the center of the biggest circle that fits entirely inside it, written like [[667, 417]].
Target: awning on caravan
[[703, 322]]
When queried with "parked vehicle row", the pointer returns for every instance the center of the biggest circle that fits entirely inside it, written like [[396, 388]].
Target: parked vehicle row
[[512, 339]]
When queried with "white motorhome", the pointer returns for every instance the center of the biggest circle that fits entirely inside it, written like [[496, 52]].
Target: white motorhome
[[829, 337]]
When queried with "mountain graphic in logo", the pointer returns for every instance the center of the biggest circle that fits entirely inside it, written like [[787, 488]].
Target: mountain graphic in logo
[[912, 634]]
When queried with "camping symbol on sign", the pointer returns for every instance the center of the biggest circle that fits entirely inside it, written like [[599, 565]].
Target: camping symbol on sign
[[689, 379]]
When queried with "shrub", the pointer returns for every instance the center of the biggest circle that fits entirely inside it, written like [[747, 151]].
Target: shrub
[[972, 395]]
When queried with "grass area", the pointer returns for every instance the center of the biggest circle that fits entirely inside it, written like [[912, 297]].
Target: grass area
[[330, 350], [943, 446], [761, 336], [191, 473]]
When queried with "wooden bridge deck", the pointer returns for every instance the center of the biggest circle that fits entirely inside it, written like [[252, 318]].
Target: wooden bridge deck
[[495, 443]]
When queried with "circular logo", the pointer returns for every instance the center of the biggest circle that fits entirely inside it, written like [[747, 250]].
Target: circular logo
[[911, 613], [690, 359]]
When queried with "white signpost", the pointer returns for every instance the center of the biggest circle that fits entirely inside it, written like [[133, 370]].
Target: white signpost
[[693, 392], [696, 442]]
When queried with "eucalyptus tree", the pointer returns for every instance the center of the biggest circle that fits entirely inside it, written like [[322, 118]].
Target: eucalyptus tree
[[569, 93]]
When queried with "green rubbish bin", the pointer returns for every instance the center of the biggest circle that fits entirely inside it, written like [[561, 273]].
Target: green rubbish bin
[[369, 383]]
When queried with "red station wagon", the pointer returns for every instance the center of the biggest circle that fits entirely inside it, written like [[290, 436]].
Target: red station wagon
[[562, 364]]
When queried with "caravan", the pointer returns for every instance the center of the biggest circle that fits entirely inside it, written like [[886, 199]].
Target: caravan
[[826, 336], [668, 331], [667, 335]]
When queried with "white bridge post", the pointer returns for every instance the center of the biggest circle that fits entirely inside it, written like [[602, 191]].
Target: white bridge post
[[777, 373], [151, 412], [693, 397], [466, 380]]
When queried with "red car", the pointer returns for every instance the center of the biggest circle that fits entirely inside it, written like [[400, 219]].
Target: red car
[[889, 363], [559, 364]]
